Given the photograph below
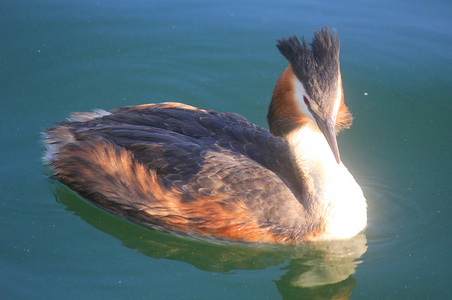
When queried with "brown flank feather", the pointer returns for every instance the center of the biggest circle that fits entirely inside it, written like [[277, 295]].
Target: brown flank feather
[[119, 184]]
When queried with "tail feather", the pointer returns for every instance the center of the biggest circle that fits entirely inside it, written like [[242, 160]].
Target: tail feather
[[54, 139]]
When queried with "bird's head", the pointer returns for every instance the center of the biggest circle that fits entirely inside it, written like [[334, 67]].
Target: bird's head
[[310, 89]]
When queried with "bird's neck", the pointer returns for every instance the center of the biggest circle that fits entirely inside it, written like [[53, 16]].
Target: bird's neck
[[330, 192]]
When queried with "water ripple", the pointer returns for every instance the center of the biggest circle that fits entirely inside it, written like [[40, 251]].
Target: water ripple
[[394, 218]]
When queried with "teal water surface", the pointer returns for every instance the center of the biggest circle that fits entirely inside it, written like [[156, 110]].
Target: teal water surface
[[57, 57]]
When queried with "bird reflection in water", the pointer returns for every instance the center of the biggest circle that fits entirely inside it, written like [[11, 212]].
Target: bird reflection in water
[[321, 270]]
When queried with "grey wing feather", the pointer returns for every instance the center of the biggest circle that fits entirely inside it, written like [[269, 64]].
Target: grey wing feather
[[175, 143]]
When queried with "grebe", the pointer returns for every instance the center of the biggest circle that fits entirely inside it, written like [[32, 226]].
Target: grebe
[[195, 171]]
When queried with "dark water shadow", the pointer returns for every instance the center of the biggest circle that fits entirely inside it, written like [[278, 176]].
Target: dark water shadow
[[312, 271]]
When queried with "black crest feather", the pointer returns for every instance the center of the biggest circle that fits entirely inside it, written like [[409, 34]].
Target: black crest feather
[[316, 65]]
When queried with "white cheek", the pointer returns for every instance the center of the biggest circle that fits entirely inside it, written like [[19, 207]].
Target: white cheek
[[337, 103], [300, 92]]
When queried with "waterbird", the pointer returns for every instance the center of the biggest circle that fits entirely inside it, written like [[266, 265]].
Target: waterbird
[[178, 168]]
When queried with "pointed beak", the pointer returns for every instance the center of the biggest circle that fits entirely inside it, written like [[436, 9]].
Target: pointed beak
[[327, 128]]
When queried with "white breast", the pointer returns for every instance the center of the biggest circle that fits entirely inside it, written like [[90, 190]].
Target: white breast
[[335, 196]]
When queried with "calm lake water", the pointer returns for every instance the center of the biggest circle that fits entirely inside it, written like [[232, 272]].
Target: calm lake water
[[57, 57]]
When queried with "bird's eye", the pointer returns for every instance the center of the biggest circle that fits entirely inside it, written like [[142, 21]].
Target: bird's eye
[[306, 100]]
